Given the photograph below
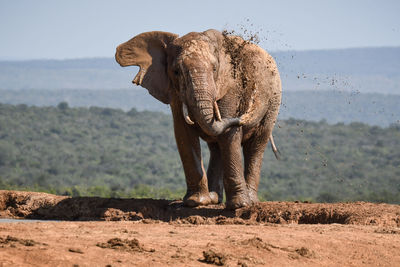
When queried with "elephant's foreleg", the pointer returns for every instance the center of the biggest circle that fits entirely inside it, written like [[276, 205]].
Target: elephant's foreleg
[[215, 174], [234, 183], [188, 144]]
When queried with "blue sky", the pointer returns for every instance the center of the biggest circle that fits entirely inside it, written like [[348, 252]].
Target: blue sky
[[44, 29]]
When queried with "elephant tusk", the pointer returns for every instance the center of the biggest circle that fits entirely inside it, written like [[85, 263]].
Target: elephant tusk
[[217, 113], [139, 77], [274, 149], [186, 114]]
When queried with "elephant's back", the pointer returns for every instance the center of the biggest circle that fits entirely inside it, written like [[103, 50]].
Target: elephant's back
[[259, 65], [259, 88], [257, 84]]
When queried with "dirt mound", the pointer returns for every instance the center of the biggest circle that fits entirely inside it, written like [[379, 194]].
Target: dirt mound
[[256, 242], [212, 257], [125, 244], [31, 205], [13, 241]]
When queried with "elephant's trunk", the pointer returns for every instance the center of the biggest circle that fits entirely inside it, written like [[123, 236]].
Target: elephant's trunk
[[205, 108]]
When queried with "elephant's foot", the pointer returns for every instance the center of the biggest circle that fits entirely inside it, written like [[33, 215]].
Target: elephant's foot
[[238, 201], [197, 199], [253, 196], [215, 199]]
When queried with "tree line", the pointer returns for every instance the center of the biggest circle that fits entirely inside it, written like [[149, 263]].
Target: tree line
[[112, 153]]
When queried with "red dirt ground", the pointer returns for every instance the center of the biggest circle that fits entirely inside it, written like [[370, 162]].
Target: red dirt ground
[[147, 232]]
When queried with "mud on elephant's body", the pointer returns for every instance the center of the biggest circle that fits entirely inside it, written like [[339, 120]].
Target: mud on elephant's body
[[222, 89]]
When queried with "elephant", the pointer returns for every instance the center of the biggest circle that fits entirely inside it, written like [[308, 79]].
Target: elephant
[[220, 88]]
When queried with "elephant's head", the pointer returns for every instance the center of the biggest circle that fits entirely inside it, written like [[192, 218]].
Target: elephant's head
[[192, 68]]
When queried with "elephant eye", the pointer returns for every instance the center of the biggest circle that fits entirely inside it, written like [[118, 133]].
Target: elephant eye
[[176, 72], [215, 72]]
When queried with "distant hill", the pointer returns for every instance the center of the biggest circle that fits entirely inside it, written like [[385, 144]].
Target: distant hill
[[340, 106], [357, 69], [96, 73], [347, 85], [332, 106], [351, 61]]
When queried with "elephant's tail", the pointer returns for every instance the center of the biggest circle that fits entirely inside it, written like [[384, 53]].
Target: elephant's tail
[[274, 149]]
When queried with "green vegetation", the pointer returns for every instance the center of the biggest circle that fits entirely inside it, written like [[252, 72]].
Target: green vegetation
[[111, 153]]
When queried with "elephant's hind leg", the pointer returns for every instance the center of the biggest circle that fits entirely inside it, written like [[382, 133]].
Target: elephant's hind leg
[[215, 174], [253, 151]]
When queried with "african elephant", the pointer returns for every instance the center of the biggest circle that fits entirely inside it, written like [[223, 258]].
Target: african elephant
[[222, 89]]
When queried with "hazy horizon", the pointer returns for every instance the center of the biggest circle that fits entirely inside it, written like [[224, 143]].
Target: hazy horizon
[[270, 51]]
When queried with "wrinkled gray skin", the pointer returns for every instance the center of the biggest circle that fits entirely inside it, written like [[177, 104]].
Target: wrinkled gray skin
[[220, 88]]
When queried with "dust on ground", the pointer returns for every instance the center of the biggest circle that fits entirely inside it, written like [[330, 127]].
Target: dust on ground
[[147, 232]]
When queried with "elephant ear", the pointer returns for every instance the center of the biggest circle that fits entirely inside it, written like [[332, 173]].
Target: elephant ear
[[148, 51]]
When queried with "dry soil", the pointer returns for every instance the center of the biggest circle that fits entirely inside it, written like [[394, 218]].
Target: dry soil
[[147, 232]]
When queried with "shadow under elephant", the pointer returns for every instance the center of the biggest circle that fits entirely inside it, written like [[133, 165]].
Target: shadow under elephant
[[114, 209]]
